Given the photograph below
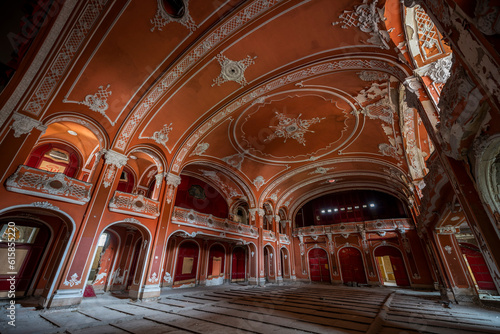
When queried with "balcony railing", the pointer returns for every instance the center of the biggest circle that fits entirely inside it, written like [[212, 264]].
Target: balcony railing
[[41, 183], [136, 205], [209, 222], [269, 235], [347, 228], [284, 239]]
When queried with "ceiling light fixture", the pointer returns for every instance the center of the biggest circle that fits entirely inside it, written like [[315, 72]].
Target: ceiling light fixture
[[73, 133], [372, 205], [331, 181]]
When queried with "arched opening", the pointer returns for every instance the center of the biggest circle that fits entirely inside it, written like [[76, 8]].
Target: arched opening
[[477, 267], [216, 262], [351, 265], [318, 265], [41, 237], [187, 264], [55, 157], [285, 263], [127, 181], [391, 266], [24, 242], [100, 277], [268, 264], [238, 265]]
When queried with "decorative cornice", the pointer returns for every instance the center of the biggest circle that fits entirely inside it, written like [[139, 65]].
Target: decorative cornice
[[24, 124]]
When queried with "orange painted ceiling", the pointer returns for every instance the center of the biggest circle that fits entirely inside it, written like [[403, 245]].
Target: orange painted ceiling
[[272, 99]]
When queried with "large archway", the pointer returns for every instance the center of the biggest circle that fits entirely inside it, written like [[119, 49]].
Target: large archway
[[351, 265], [41, 235], [318, 265]]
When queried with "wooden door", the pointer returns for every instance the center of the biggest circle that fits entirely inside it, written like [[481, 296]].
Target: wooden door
[[399, 270], [187, 263], [238, 265], [478, 266], [30, 243], [133, 266], [351, 264], [318, 265]]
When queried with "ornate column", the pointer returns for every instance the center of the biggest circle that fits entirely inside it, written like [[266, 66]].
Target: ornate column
[[173, 182]]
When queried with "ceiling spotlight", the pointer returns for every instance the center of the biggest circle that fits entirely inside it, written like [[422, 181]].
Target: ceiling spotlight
[[372, 205], [322, 211], [335, 209], [356, 207], [331, 181], [329, 210], [73, 133], [364, 205]]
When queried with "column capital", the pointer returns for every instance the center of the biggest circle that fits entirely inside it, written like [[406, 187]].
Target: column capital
[[114, 158], [173, 180], [24, 124]]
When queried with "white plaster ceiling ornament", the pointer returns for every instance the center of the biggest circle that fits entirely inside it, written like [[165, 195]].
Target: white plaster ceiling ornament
[[366, 17], [232, 70], [45, 205], [321, 170], [161, 137], [116, 159], [200, 149], [294, 128], [373, 76], [235, 160], [439, 71], [24, 124], [97, 102], [259, 182], [229, 191], [162, 18]]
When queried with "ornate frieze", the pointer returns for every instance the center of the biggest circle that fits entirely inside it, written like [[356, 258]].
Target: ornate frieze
[[41, 183], [137, 205], [24, 124], [232, 70]]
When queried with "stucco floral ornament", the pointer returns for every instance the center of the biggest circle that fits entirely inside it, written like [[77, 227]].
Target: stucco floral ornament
[[232, 70], [294, 128]]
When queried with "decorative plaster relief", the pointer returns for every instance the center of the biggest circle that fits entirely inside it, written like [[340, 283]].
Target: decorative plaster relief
[[162, 18], [366, 17], [294, 128], [45, 205], [373, 76], [235, 160], [73, 281], [200, 149], [232, 70], [227, 190], [154, 278], [97, 102], [439, 71], [167, 278], [161, 137], [24, 124], [321, 170], [259, 182], [448, 249]]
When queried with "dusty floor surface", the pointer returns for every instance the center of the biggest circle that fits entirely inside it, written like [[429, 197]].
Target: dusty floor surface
[[294, 308]]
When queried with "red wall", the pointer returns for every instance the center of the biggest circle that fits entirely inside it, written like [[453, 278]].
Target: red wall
[[213, 203]]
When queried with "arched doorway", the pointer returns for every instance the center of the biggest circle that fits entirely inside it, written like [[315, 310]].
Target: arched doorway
[[351, 265], [103, 263], [216, 262], [187, 263], [391, 266], [285, 263], [238, 265], [477, 266], [268, 264], [318, 265], [30, 240]]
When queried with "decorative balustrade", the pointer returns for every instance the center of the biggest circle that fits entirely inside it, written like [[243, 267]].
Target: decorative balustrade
[[209, 222], [136, 205], [41, 183], [383, 225]]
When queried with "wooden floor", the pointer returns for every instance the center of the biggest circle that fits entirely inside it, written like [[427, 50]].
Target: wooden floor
[[273, 309]]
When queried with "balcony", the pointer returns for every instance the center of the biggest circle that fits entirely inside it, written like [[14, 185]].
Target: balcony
[[268, 235], [205, 221], [41, 183], [382, 225], [135, 205], [284, 239]]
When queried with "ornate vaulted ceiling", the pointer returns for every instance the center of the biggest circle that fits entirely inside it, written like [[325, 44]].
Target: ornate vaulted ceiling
[[272, 100]]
